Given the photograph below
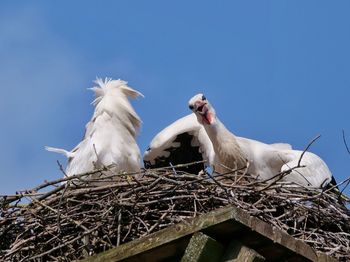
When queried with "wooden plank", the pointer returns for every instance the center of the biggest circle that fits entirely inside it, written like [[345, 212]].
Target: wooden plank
[[203, 248], [322, 257], [234, 216], [282, 238], [236, 252], [164, 236]]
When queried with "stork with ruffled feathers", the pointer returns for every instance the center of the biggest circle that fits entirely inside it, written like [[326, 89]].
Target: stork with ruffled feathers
[[110, 135]]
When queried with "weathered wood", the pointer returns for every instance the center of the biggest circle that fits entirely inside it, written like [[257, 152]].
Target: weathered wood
[[203, 248], [236, 252], [322, 257], [170, 242], [166, 236]]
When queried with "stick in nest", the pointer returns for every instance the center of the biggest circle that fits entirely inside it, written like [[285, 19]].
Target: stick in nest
[[113, 214]]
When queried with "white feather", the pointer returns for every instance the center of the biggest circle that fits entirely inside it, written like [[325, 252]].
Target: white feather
[[110, 135], [59, 151]]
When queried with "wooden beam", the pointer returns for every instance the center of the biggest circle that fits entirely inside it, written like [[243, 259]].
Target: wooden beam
[[236, 252], [203, 248]]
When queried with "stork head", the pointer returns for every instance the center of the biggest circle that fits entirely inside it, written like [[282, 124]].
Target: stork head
[[202, 108]]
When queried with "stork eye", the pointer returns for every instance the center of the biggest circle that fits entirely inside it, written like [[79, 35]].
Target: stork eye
[[190, 107], [203, 98]]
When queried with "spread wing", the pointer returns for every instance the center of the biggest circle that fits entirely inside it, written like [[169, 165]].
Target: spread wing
[[184, 141]]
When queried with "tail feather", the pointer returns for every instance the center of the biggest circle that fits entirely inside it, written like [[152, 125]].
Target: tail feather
[[60, 151]]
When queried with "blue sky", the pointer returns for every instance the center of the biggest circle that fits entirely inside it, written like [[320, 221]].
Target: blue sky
[[276, 71]]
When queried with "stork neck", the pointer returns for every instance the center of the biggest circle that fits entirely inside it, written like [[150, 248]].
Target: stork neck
[[217, 132], [227, 150]]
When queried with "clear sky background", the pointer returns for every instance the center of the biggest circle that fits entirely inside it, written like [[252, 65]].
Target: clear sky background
[[276, 71]]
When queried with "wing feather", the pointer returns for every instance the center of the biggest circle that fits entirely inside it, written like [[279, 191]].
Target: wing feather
[[184, 141]]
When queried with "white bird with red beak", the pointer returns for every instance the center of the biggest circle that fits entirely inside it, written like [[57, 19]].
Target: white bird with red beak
[[201, 106], [110, 135], [228, 154], [225, 152]]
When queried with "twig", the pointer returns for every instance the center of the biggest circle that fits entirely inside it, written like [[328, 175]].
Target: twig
[[65, 244], [345, 143], [119, 227], [55, 211], [307, 148], [62, 169]]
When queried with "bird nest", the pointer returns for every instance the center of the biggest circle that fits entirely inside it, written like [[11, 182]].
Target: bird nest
[[68, 221]]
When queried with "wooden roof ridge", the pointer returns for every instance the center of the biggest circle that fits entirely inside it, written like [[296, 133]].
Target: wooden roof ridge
[[225, 225]]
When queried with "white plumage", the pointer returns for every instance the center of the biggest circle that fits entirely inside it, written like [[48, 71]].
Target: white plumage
[[167, 139], [224, 151], [110, 134]]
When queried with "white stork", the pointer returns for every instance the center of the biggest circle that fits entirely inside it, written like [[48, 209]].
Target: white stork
[[202, 136], [110, 135]]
